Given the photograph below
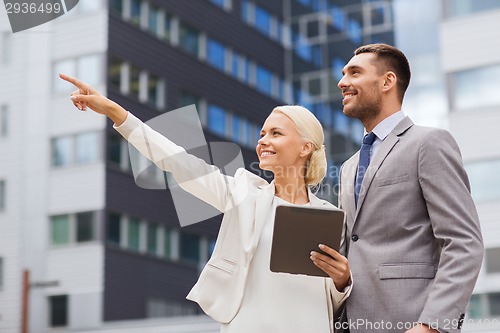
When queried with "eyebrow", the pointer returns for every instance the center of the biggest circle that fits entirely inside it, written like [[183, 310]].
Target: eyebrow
[[351, 67], [272, 129]]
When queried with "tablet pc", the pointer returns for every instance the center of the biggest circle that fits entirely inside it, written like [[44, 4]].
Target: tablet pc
[[297, 232]]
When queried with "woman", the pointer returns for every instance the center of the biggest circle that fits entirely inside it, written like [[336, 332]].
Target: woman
[[236, 286]]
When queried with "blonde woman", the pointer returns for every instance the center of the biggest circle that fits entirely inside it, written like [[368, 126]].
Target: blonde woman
[[236, 286]]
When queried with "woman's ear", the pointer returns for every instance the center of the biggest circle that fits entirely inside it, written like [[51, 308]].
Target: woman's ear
[[307, 149]]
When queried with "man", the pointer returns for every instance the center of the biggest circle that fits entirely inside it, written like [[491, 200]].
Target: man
[[413, 237]]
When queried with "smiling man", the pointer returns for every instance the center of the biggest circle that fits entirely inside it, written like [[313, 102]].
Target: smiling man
[[414, 241]]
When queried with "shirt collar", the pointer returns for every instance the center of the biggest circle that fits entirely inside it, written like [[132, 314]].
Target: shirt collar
[[387, 125]]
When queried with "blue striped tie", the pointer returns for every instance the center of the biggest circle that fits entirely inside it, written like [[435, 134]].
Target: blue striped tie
[[364, 161]]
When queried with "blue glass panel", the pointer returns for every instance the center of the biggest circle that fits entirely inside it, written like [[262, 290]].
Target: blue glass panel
[[262, 20], [219, 3], [337, 66], [355, 31], [217, 119], [216, 54], [264, 80]]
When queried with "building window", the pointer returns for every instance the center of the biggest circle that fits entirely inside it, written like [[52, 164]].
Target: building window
[[216, 54], [117, 153], [189, 39], [354, 31], [185, 98], [86, 148], [1, 273], [262, 20], [113, 229], [58, 311], [158, 308], [67, 67], [153, 21], [152, 240], [89, 5], [264, 80], [134, 234], [4, 121], [167, 243], [134, 81], [155, 91], [484, 179], [115, 72], [3, 195], [472, 88], [467, 7], [75, 150], [190, 247], [494, 302], [85, 227], [135, 12], [338, 17], [303, 48], [492, 256], [73, 228], [217, 120], [5, 47], [87, 68], [60, 229], [224, 4], [116, 6]]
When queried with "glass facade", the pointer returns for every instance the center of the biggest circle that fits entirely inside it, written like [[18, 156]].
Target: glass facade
[[468, 7], [60, 229], [113, 229], [190, 247], [216, 54], [217, 118], [474, 88], [188, 39], [75, 150], [492, 259], [484, 179], [58, 311], [134, 234]]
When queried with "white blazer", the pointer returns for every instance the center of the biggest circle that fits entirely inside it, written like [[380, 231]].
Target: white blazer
[[244, 199]]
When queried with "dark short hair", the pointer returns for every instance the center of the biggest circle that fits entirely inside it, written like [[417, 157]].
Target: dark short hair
[[395, 61]]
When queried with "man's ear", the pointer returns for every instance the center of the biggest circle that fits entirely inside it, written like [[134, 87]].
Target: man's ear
[[390, 80], [307, 149]]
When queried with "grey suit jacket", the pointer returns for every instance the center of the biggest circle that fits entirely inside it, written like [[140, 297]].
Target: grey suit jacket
[[415, 246]]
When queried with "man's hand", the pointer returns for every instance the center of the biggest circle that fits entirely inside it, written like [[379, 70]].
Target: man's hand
[[335, 265]]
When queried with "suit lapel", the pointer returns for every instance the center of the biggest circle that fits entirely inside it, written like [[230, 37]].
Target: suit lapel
[[349, 178], [385, 148], [263, 203]]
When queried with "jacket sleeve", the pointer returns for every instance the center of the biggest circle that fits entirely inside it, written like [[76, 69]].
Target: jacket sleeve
[[193, 174], [455, 224]]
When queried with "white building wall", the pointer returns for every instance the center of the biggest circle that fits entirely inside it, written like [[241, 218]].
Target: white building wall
[[469, 42], [12, 69], [35, 190]]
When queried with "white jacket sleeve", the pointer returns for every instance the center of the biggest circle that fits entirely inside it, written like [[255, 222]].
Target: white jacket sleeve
[[193, 174]]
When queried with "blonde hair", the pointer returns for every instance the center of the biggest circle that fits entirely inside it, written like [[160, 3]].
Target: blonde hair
[[310, 129]]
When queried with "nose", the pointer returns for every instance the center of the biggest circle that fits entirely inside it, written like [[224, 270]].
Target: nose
[[262, 141], [342, 82]]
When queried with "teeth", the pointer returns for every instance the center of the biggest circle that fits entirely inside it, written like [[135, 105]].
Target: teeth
[[266, 153]]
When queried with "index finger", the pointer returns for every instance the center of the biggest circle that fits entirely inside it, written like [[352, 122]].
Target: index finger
[[77, 83], [334, 254]]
